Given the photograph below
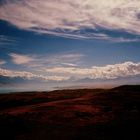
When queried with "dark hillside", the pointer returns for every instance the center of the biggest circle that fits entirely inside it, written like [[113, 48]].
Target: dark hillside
[[84, 114]]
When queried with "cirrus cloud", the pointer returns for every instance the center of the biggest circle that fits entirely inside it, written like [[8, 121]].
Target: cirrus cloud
[[71, 18], [7, 40]]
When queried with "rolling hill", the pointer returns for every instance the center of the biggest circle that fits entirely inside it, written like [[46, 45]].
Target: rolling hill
[[78, 114]]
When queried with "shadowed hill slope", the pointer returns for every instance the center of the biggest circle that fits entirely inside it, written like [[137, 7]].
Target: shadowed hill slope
[[128, 88]]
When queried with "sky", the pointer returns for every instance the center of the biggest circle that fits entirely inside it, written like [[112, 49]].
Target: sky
[[51, 44]]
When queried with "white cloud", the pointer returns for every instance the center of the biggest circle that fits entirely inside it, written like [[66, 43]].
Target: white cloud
[[67, 17], [12, 73], [69, 64], [21, 59], [65, 66], [29, 75], [67, 58], [2, 62], [126, 69], [107, 72], [40, 60]]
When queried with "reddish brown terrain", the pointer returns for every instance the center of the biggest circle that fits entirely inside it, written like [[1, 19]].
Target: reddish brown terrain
[[84, 114]]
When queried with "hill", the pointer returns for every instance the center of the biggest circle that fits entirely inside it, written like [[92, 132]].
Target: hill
[[84, 114], [128, 88]]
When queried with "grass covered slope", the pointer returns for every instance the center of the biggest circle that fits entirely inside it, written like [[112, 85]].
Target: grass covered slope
[[85, 114]]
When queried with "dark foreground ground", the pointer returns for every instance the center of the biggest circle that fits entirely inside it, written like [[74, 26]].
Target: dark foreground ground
[[85, 114]]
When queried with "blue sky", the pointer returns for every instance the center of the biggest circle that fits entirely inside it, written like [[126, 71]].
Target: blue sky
[[42, 48]]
